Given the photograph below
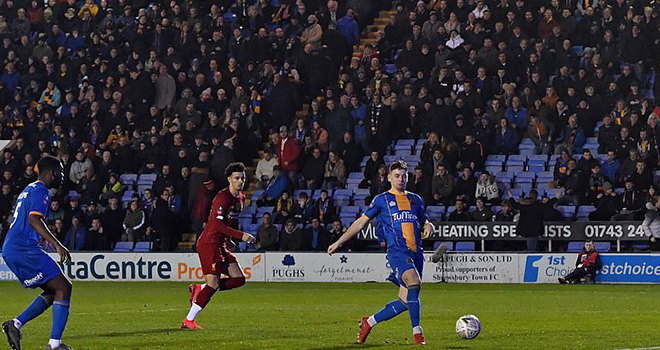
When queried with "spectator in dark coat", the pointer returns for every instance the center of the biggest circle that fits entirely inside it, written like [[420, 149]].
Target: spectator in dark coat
[[314, 170], [267, 235], [324, 210], [471, 153], [96, 238], [316, 237], [461, 213], [529, 225], [371, 169], [291, 237], [112, 219]]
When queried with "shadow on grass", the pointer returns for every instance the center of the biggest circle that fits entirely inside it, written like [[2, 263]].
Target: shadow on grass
[[164, 331], [349, 346]]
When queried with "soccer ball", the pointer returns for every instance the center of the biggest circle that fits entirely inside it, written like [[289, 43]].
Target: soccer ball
[[468, 327]]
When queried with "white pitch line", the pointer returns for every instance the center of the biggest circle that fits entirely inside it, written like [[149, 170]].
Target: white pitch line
[[648, 348]]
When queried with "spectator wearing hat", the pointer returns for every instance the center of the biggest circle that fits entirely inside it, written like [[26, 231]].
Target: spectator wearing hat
[[630, 203]]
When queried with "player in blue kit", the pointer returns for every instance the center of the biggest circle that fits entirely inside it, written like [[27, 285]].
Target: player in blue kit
[[401, 216], [33, 267]]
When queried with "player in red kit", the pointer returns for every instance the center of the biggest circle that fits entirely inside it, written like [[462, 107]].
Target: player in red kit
[[215, 257]]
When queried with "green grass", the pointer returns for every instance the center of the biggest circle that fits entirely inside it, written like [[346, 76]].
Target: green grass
[[146, 315]]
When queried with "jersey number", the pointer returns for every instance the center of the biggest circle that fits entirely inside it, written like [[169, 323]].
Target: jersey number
[[18, 206]]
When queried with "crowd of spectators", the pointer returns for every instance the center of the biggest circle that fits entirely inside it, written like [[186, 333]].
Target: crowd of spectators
[[181, 88]]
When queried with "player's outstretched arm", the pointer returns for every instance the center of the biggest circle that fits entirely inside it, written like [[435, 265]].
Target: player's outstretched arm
[[39, 226], [356, 226]]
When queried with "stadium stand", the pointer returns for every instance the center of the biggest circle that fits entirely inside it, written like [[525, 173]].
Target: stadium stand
[[165, 96]]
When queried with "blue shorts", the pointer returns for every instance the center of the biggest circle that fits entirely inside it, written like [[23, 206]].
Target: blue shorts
[[402, 261], [32, 268]]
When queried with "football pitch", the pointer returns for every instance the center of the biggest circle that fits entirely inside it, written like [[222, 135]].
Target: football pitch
[[324, 316]]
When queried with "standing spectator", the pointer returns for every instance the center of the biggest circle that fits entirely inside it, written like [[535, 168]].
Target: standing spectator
[[264, 170], [165, 89], [587, 263], [267, 234], [291, 238], [288, 152], [465, 186], [112, 219], [443, 186], [316, 237], [163, 222], [471, 153], [486, 188], [529, 225]]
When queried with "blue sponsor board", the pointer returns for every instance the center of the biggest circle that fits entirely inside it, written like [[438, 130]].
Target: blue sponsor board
[[5, 272], [629, 268]]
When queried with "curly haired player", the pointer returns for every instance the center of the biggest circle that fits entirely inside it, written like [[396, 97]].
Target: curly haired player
[[215, 257]]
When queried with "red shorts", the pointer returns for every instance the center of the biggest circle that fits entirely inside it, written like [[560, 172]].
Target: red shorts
[[214, 257]]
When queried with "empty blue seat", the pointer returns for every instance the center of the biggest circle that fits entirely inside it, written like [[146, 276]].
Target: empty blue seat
[[407, 142], [350, 209], [517, 158], [603, 247], [498, 157], [263, 210], [515, 168], [574, 247], [128, 179], [450, 245], [435, 212], [465, 246], [244, 223], [641, 246], [567, 210], [525, 187], [143, 246], [536, 168], [123, 247]]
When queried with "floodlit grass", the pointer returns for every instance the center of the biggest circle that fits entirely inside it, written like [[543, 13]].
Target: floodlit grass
[[323, 316]]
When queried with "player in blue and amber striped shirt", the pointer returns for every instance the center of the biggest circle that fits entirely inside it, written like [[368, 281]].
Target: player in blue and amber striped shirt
[[402, 218], [32, 266]]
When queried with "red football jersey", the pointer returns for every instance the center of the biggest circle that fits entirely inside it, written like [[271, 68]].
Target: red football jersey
[[223, 218]]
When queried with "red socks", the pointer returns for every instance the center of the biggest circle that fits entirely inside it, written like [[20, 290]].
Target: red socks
[[204, 296], [230, 283]]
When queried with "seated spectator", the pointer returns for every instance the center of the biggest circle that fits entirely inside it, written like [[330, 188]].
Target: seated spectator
[[277, 185], [88, 187], [587, 263], [574, 185], [541, 131], [610, 167], [607, 134], [350, 152], [606, 204], [267, 235], [442, 186], [628, 165], [75, 236], [461, 213], [465, 186], [506, 214], [113, 219], [55, 211], [642, 177], [516, 114], [371, 169], [96, 238], [112, 188], [291, 238], [379, 183], [304, 209], [134, 223], [264, 171], [506, 139], [335, 172], [484, 132], [561, 165], [482, 212], [486, 188], [316, 237], [587, 161], [471, 153], [284, 209], [595, 184], [324, 210], [630, 203], [429, 148], [571, 138], [336, 231]]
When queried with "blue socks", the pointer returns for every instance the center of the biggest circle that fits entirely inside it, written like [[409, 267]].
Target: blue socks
[[414, 306], [60, 316], [38, 306], [390, 310]]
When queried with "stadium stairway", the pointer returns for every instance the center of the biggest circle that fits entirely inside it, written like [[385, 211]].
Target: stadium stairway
[[370, 35]]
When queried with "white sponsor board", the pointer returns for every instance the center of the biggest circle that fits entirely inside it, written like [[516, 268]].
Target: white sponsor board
[[473, 268], [354, 267], [545, 268], [319, 267], [143, 267]]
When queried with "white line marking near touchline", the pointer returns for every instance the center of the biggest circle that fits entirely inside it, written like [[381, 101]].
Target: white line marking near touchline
[[649, 348]]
